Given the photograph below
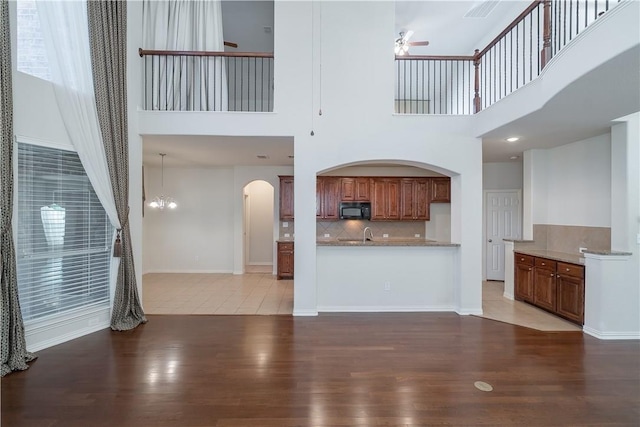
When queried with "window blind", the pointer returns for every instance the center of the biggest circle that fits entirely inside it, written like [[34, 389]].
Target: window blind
[[63, 245]]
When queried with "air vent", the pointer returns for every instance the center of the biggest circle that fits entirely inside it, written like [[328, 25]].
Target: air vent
[[482, 10], [262, 156]]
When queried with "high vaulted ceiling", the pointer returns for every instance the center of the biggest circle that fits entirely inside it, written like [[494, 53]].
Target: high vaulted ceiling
[[449, 32]]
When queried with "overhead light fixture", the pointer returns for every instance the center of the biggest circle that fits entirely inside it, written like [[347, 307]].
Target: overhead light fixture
[[514, 157], [512, 139], [161, 202], [401, 47]]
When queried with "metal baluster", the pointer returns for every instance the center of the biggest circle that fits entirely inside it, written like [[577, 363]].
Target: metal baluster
[[423, 84]]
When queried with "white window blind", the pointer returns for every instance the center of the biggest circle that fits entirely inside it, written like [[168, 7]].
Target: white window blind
[[64, 236]]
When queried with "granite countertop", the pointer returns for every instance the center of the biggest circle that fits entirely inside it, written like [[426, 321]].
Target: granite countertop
[[557, 256], [611, 253], [285, 240], [384, 242]]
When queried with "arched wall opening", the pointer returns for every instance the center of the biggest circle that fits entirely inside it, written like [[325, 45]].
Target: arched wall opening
[[258, 217]]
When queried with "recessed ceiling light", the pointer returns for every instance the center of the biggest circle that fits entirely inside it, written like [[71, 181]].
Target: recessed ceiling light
[[262, 156], [514, 157], [512, 139]]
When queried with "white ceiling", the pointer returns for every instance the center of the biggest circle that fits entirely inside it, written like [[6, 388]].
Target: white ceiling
[[443, 24]]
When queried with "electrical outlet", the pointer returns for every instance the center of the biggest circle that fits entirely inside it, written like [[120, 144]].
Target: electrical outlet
[[287, 235], [387, 286], [581, 250], [285, 225], [327, 235], [416, 235], [385, 235]]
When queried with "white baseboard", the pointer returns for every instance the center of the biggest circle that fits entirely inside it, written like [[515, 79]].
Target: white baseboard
[[305, 313], [47, 333], [470, 312], [611, 335], [382, 309], [190, 271], [508, 296]]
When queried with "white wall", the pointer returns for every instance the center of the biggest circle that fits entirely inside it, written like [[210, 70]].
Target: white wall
[[502, 176], [198, 235], [571, 184], [259, 212]]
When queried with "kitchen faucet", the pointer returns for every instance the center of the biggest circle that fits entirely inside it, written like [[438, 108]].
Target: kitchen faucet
[[364, 234]]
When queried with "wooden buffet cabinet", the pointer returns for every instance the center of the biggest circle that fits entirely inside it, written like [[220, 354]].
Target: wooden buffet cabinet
[[555, 286], [285, 260]]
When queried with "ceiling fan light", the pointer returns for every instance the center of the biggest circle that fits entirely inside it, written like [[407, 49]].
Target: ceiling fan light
[[405, 47], [154, 204], [172, 205]]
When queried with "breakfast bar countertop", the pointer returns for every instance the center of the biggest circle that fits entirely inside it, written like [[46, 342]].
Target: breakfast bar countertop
[[383, 242]]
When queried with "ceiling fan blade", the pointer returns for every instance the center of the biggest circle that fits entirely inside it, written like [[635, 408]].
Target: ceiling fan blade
[[420, 43], [231, 44], [407, 35]]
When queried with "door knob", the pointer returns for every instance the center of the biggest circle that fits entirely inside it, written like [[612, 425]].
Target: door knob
[[490, 240]]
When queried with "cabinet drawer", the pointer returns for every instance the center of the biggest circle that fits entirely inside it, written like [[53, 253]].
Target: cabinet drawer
[[523, 259], [546, 263], [572, 270], [285, 246]]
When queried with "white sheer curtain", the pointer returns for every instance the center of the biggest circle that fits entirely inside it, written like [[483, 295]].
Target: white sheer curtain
[[185, 83], [66, 34]]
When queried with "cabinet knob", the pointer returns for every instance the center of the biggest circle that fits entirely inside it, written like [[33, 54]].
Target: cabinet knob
[[543, 263], [529, 268], [552, 274], [521, 259], [568, 269], [558, 275]]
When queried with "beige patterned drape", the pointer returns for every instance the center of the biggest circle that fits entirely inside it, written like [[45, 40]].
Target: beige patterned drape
[[13, 348], [108, 41]]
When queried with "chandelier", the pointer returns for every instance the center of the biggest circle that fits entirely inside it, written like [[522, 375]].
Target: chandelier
[[161, 202]]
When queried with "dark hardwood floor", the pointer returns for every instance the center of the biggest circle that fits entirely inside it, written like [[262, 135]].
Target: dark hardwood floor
[[385, 369]]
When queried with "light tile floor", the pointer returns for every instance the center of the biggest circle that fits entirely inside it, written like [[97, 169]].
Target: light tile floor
[[258, 292], [497, 307], [252, 293]]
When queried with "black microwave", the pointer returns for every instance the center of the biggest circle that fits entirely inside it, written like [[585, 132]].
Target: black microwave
[[355, 210]]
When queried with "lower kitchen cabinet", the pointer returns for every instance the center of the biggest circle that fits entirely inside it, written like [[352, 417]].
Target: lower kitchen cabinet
[[285, 260], [524, 277], [555, 286]]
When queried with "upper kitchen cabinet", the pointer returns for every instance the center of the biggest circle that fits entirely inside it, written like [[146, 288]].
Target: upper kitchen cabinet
[[327, 197], [286, 197], [441, 190], [355, 189], [385, 199], [414, 199]]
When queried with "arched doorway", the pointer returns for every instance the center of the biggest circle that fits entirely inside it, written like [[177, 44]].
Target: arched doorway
[[258, 227]]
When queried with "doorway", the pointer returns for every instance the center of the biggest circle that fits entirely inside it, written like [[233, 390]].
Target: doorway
[[502, 221], [258, 227]]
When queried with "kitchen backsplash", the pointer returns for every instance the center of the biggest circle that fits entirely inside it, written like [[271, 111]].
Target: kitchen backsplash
[[353, 229], [569, 238]]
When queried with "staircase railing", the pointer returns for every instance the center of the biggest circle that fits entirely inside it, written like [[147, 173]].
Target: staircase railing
[[512, 59], [207, 81]]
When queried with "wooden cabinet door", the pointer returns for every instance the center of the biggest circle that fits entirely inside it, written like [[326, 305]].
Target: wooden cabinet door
[[348, 189], [286, 197], [385, 198], [285, 260], [362, 193], [407, 199], [523, 282], [441, 190], [570, 292], [319, 186], [544, 287], [330, 198], [421, 208]]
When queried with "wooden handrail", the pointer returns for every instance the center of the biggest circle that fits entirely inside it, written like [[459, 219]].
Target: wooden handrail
[[435, 58], [145, 52], [511, 26]]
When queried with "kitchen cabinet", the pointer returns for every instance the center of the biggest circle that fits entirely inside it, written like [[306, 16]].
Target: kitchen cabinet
[[570, 291], [354, 189], [544, 284], [523, 281], [285, 260], [286, 197], [327, 197], [441, 190], [385, 199], [555, 286], [414, 199]]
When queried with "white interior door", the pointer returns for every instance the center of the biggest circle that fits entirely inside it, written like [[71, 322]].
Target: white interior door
[[502, 216]]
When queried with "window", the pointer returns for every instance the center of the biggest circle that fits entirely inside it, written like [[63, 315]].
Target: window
[[32, 55], [64, 237]]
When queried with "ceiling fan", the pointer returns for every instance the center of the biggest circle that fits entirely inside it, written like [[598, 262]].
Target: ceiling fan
[[402, 43]]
